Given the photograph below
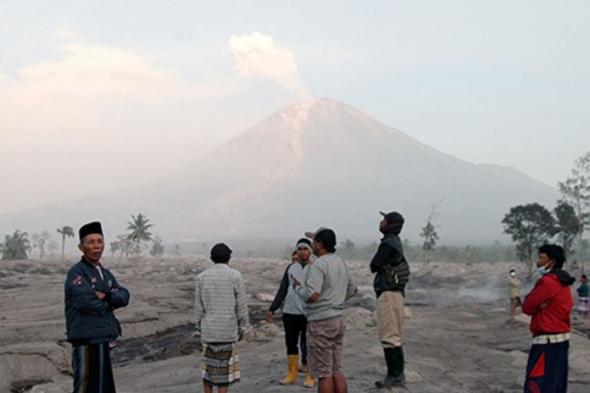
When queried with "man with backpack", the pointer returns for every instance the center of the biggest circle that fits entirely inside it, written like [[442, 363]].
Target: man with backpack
[[391, 276]]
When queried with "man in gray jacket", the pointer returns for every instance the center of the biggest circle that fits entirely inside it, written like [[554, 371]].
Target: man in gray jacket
[[327, 286], [221, 316]]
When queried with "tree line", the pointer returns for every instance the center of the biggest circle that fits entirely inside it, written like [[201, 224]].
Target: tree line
[[531, 225], [18, 245]]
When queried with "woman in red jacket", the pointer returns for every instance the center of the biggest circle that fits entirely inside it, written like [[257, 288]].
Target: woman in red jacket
[[550, 304]]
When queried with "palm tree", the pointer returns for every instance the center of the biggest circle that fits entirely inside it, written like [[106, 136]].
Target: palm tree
[[15, 246], [139, 227], [65, 231]]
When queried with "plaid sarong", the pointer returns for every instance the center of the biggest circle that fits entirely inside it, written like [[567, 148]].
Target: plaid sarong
[[220, 363]]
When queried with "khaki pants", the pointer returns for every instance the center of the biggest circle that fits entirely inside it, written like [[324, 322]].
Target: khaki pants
[[390, 318]]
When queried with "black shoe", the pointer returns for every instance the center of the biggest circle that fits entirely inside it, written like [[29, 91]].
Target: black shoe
[[390, 382]]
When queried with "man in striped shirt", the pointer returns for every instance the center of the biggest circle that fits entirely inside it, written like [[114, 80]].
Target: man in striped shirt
[[221, 315]]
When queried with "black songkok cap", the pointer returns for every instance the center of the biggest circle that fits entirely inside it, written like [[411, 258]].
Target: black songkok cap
[[89, 229]]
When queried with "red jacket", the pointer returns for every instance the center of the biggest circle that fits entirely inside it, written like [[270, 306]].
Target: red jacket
[[550, 303]]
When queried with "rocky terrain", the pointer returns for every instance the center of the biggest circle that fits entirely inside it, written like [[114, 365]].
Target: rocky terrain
[[458, 338]]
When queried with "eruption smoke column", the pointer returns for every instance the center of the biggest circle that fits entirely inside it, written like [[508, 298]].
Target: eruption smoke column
[[259, 55]]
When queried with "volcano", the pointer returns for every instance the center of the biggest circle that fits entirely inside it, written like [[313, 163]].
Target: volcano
[[310, 164]]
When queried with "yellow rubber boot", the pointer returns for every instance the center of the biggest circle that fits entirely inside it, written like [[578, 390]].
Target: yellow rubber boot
[[309, 381], [291, 378]]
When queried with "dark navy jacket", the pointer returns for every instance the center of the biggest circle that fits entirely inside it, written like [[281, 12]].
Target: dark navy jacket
[[89, 319]]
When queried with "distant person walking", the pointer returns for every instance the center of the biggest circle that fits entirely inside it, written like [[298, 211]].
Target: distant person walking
[[583, 297], [221, 316], [91, 295], [392, 273], [294, 316], [514, 293], [327, 286], [549, 303]]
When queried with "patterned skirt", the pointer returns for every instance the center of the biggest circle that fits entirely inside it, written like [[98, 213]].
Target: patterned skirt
[[220, 363], [583, 304]]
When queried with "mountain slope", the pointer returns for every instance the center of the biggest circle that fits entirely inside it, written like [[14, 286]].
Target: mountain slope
[[311, 164]]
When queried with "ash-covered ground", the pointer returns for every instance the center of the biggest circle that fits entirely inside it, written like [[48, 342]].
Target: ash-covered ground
[[457, 336]]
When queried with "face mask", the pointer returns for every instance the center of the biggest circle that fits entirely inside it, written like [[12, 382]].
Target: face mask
[[512, 274], [543, 270]]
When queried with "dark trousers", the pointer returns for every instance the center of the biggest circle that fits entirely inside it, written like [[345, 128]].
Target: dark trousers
[[93, 373], [547, 368], [295, 328]]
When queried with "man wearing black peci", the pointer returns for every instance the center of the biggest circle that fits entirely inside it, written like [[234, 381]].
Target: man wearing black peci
[[91, 295]]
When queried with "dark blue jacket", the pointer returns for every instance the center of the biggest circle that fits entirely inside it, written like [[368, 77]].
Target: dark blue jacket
[[89, 319]]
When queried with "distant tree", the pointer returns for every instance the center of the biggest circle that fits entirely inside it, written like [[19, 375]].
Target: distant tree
[[122, 245], [115, 247], [430, 236], [15, 246], [429, 232], [349, 248], [369, 250], [529, 226], [568, 224], [176, 250], [139, 232], [39, 242], [157, 247], [406, 243], [52, 247], [65, 232], [576, 190]]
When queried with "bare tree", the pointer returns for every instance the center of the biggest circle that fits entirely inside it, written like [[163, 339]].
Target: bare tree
[[429, 232], [39, 242], [52, 247], [176, 250], [157, 247], [122, 245]]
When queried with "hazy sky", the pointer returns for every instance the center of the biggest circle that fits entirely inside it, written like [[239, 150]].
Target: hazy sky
[[99, 95]]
